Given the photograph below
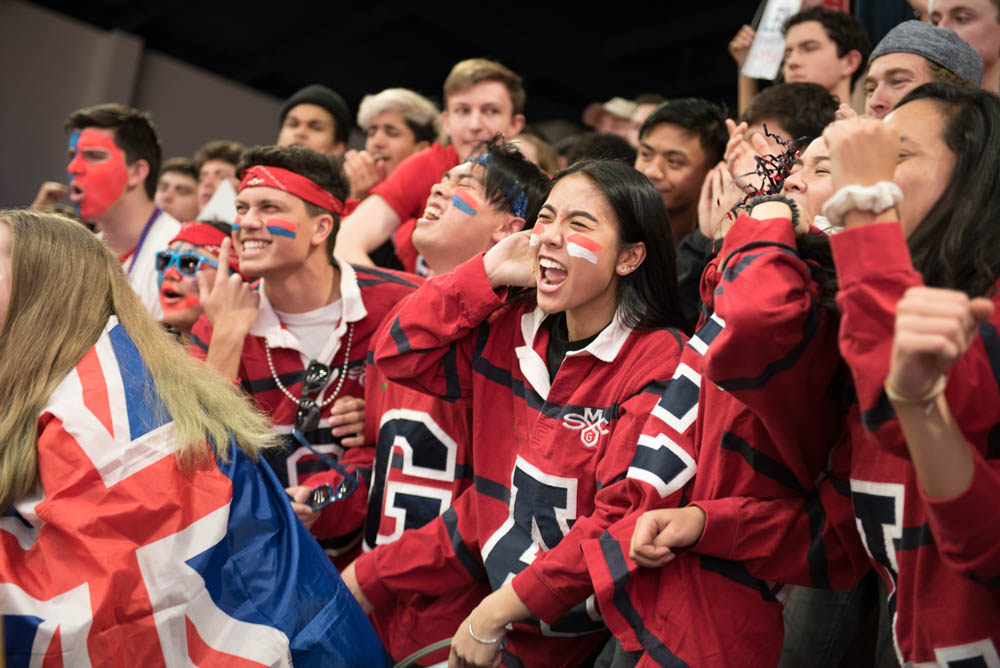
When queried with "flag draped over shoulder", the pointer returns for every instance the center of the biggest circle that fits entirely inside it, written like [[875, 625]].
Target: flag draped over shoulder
[[123, 560]]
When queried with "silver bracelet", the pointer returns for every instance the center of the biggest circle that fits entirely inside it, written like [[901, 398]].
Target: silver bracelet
[[480, 640]]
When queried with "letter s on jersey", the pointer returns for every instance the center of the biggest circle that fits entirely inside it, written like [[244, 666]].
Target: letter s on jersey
[[591, 425]]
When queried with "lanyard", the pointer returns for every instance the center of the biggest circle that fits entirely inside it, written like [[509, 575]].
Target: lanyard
[[142, 239]]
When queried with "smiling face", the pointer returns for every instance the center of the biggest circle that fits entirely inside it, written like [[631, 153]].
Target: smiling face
[[811, 56], [477, 113], [925, 161], [274, 233], [579, 256], [312, 126], [890, 78], [177, 194], [390, 140], [673, 159], [97, 171], [179, 292], [459, 221], [810, 185]]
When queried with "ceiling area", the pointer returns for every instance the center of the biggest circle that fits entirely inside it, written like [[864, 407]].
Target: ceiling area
[[567, 56]]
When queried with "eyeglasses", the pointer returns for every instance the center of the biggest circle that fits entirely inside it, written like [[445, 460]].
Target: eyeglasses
[[307, 416], [187, 263]]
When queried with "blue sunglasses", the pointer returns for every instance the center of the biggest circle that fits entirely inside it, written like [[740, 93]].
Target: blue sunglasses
[[187, 263]]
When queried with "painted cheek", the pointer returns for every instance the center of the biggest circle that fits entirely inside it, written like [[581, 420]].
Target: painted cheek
[[103, 182], [74, 139], [189, 302], [236, 227], [536, 236], [578, 245], [280, 228], [464, 203]]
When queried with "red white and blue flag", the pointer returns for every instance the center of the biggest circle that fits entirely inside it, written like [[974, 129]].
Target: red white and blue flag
[[120, 559]]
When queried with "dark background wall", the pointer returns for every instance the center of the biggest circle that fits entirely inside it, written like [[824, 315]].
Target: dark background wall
[[52, 65]]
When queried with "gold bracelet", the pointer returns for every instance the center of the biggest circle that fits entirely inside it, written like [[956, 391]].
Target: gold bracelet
[[480, 640], [928, 398]]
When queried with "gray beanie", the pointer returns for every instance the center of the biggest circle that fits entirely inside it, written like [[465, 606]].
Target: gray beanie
[[938, 45]]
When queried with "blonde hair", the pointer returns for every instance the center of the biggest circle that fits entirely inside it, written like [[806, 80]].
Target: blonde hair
[[467, 73], [420, 114], [65, 283]]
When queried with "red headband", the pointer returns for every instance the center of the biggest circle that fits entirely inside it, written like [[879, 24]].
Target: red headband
[[207, 236], [290, 182], [200, 234]]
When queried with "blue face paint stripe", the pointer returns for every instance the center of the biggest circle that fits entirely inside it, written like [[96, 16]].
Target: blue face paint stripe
[[280, 231], [462, 205]]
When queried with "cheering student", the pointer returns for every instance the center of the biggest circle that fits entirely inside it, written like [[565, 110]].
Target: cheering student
[[194, 250], [114, 164], [916, 194], [423, 443], [297, 345], [558, 379], [139, 527]]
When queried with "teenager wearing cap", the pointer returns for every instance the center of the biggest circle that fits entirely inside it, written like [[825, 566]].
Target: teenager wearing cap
[[915, 53], [195, 250], [317, 118], [978, 23]]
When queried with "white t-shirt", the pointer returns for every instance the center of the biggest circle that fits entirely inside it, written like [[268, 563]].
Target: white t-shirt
[[141, 268], [313, 328]]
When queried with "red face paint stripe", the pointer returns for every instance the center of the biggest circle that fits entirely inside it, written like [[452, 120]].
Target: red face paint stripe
[[585, 242]]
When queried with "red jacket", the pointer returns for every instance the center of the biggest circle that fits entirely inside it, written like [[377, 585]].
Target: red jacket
[[367, 295], [940, 558], [423, 460], [765, 364], [549, 461]]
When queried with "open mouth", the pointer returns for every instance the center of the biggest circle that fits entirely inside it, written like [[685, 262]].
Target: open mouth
[[168, 295], [431, 213], [76, 193], [551, 274]]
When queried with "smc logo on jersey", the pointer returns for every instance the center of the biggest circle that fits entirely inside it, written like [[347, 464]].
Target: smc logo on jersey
[[591, 425]]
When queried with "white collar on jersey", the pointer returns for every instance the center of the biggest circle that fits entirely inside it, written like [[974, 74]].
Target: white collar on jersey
[[269, 327], [604, 347]]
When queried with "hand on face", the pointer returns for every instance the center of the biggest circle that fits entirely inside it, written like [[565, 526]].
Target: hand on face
[[363, 171], [512, 261], [863, 151], [228, 301]]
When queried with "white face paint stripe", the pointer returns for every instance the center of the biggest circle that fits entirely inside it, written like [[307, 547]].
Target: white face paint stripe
[[575, 250], [535, 238]]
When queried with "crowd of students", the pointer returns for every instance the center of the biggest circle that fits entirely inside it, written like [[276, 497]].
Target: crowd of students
[[697, 391]]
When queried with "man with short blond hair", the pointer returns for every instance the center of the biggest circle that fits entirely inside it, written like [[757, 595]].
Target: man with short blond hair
[[482, 98]]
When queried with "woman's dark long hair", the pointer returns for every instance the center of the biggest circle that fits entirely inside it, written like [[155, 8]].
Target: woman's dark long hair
[[648, 298], [957, 244]]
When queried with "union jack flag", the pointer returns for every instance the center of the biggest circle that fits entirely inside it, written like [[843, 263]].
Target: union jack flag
[[121, 559]]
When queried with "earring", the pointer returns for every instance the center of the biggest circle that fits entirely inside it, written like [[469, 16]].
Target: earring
[[623, 270]]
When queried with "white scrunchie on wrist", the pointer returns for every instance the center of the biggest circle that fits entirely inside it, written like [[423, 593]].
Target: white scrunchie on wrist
[[875, 198]]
